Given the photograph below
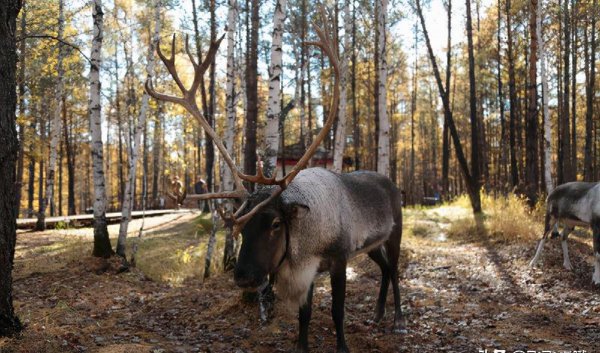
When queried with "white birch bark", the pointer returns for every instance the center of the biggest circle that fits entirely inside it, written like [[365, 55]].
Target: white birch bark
[[134, 146], [56, 122], [340, 134], [212, 239], [274, 102], [227, 184], [101, 241], [545, 110], [231, 97], [383, 148]]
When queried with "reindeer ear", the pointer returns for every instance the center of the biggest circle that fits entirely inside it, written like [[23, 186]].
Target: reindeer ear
[[296, 210], [299, 211]]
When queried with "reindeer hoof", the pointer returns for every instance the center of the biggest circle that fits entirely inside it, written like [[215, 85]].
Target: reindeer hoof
[[567, 266], [400, 326], [596, 279], [343, 349], [378, 316], [301, 348]]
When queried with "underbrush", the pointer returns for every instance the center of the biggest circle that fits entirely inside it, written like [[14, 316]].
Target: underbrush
[[505, 218]]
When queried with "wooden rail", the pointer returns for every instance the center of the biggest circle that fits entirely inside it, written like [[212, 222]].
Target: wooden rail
[[88, 219]]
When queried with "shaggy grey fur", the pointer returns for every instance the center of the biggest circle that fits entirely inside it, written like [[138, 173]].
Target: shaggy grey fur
[[347, 214], [573, 204]]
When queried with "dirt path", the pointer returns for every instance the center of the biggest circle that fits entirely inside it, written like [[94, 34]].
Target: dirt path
[[459, 295]]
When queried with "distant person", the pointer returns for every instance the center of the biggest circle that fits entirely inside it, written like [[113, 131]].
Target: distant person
[[403, 194], [177, 191]]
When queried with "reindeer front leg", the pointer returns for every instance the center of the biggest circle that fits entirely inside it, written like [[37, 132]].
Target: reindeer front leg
[[596, 231], [304, 315], [338, 288]]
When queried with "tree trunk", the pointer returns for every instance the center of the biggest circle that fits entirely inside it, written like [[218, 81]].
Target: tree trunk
[[55, 123], [340, 133], [565, 140], [21, 82], [208, 150], [474, 181], [31, 170], [102, 247], [134, 148], [9, 323], [503, 168], [355, 117], [70, 165], [574, 15], [413, 109], [251, 91], [547, 126], [229, 256], [532, 168], [42, 152], [383, 145], [274, 101], [590, 72], [303, 67], [462, 161], [156, 146], [210, 147], [512, 94], [445, 132], [212, 240]]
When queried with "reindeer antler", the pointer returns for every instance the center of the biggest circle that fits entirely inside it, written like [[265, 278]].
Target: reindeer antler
[[326, 43], [188, 101]]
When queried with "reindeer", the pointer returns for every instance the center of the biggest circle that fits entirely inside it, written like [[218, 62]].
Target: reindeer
[[572, 204], [308, 221]]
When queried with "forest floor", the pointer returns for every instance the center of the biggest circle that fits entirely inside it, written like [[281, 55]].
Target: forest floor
[[464, 287]]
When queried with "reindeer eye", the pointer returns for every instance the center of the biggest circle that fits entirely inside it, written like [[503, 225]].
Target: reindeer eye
[[276, 224]]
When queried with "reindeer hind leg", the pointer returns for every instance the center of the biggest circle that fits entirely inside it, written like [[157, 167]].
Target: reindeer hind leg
[[596, 231], [563, 242], [379, 256], [392, 247], [551, 223]]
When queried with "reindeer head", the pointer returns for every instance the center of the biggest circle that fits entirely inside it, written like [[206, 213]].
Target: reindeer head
[[263, 218]]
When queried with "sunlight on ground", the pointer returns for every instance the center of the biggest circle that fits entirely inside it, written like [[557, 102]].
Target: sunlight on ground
[[350, 274], [172, 249], [505, 218]]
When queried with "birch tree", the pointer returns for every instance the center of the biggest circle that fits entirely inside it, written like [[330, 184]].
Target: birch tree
[[232, 16], [55, 123], [545, 110], [102, 247], [340, 133], [134, 146], [383, 147], [274, 101]]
